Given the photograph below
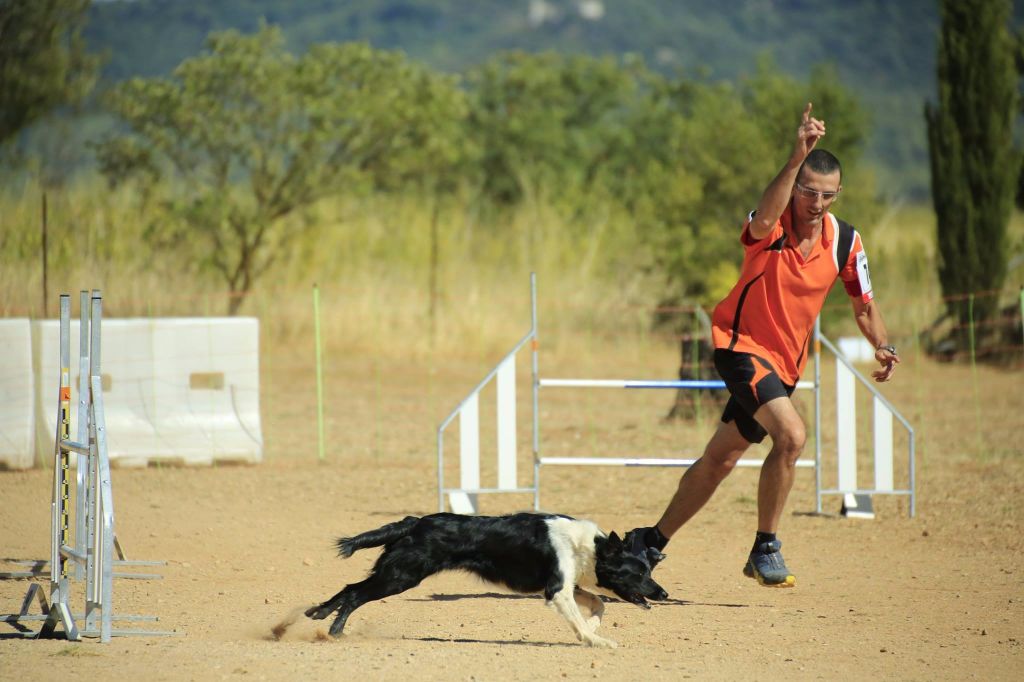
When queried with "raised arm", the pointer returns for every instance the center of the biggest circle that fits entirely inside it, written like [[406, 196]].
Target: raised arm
[[776, 196]]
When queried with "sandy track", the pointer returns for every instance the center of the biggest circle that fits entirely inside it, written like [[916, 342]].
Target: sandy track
[[940, 596]]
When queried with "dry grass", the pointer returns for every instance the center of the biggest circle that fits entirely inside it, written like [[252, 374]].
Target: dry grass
[[371, 258]]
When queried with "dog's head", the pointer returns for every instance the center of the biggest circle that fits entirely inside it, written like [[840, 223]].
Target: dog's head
[[624, 573]]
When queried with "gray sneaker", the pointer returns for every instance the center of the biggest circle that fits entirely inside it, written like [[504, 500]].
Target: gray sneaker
[[767, 566], [637, 546]]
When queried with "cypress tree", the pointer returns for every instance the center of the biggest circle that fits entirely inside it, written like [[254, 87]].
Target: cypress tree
[[974, 163]]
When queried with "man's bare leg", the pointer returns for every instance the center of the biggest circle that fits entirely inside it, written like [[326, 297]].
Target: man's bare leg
[[786, 429], [699, 482], [787, 432]]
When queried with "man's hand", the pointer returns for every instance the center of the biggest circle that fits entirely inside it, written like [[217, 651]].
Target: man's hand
[[888, 361], [807, 135]]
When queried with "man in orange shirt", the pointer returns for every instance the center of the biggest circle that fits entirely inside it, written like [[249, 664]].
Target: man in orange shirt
[[794, 249]]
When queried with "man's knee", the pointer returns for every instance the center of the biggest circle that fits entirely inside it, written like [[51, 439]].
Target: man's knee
[[718, 464], [789, 441]]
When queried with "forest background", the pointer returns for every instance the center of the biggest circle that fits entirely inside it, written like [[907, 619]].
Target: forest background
[[611, 147]]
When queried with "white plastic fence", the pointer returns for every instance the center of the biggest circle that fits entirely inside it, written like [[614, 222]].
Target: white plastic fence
[[206, 388], [464, 498], [17, 437], [176, 389]]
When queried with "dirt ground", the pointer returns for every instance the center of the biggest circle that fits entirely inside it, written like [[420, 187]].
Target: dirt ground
[[936, 597]]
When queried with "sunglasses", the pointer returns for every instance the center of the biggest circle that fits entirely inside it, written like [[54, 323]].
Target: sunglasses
[[814, 194]]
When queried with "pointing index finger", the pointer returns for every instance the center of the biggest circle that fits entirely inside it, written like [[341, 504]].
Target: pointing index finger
[[807, 112]]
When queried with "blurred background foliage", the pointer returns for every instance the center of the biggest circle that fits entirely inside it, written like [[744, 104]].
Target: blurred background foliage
[[261, 145], [884, 52]]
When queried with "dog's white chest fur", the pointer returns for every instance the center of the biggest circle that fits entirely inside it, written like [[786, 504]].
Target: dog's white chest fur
[[573, 540]]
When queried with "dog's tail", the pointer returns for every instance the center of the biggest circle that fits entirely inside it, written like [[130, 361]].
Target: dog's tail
[[376, 538]]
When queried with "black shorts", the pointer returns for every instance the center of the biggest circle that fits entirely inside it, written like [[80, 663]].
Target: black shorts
[[752, 382]]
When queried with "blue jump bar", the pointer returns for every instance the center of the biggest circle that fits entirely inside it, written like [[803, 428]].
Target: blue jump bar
[[641, 383], [694, 383], [630, 383]]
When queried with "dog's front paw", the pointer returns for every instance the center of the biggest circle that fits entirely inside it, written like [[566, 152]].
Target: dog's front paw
[[600, 642]]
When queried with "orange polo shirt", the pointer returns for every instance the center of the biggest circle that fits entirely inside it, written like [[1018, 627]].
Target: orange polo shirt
[[771, 310]]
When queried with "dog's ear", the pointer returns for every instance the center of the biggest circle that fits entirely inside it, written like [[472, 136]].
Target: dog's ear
[[614, 540]]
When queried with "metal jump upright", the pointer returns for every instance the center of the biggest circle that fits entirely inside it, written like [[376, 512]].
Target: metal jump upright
[[463, 499]]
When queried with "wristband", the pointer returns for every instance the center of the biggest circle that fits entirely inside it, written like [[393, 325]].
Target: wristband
[[888, 349]]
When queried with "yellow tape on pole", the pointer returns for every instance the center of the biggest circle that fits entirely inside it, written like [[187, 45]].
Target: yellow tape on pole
[[65, 434]]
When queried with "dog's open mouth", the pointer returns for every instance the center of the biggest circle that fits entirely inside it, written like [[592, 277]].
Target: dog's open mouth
[[640, 598]]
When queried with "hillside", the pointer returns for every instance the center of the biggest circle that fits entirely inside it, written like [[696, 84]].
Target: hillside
[[884, 50]]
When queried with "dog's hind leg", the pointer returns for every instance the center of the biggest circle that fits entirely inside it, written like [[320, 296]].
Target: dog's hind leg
[[396, 571], [377, 586], [354, 596], [590, 606], [324, 609]]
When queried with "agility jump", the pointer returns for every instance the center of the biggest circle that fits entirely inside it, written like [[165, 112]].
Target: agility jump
[[464, 497]]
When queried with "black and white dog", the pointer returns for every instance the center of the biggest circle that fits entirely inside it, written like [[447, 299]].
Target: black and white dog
[[559, 556]]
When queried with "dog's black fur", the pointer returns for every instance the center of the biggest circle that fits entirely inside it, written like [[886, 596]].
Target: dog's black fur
[[555, 555]]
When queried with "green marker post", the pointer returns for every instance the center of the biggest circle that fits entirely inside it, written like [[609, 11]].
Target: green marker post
[[319, 375]]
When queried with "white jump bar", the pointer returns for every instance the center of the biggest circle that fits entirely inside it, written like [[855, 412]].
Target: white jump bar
[[648, 462], [641, 383]]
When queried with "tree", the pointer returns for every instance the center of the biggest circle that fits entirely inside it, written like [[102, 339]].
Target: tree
[[43, 62], [546, 120], [1018, 58], [244, 135], [973, 161], [701, 153]]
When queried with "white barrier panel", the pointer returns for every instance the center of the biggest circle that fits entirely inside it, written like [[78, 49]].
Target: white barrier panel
[[507, 424], [469, 444], [846, 427], [469, 457], [883, 447], [206, 388], [857, 498], [17, 423], [463, 500], [184, 390], [127, 370]]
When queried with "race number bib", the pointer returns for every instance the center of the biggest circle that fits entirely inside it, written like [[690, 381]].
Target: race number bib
[[863, 275]]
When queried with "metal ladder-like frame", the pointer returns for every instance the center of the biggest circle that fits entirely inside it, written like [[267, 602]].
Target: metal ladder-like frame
[[95, 542]]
